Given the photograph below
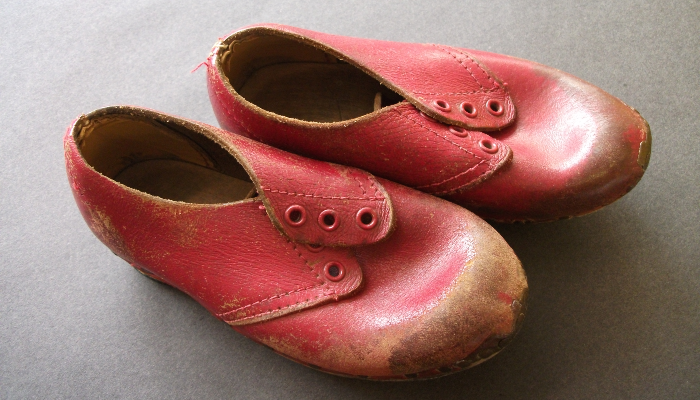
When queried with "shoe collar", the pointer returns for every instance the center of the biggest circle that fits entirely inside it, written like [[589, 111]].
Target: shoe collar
[[444, 82]]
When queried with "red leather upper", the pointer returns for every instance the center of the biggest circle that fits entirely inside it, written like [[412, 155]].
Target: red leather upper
[[452, 158], [312, 188], [182, 243], [575, 147], [570, 149], [440, 286], [424, 74]]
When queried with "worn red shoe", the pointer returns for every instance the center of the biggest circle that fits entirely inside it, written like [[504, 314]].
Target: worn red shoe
[[510, 139], [325, 264]]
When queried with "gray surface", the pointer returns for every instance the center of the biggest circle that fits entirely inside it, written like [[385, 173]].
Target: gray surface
[[615, 296]]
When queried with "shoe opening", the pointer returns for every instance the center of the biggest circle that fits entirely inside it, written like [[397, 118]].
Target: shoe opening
[[297, 80], [162, 159]]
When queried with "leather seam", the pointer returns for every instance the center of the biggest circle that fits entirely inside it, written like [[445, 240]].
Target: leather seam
[[321, 196], [328, 294], [462, 64], [371, 184], [359, 183], [306, 262], [488, 76], [278, 296], [440, 136], [233, 117], [458, 93], [451, 178], [481, 161]]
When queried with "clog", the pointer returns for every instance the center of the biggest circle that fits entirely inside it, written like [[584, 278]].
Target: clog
[[325, 264], [510, 139]]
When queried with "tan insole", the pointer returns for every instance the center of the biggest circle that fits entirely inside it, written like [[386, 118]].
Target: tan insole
[[318, 92], [183, 181]]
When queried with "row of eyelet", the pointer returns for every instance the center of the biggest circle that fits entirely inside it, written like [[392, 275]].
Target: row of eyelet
[[493, 106], [467, 109], [295, 215], [486, 145]]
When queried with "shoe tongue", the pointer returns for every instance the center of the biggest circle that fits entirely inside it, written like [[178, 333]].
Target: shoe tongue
[[444, 82], [313, 201]]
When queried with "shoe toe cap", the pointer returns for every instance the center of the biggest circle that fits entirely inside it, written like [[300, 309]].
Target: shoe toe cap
[[444, 292], [480, 313], [575, 147]]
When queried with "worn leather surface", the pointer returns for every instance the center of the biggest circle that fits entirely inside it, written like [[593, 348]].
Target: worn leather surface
[[578, 148], [614, 300], [575, 147], [440, 288], [228, 256]]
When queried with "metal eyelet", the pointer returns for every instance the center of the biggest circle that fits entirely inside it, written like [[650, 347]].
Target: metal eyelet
[[314, 248], [329, 221], [488, 146], [366, 218], [468, 109], [442, 105], [295, 215], [494, 107], [334, 271], [459, 131]]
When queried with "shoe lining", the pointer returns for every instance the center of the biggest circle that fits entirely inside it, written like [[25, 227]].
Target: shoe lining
[[164, 160], [296, 80]]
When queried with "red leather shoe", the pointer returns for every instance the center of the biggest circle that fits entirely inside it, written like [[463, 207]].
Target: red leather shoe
[[510, 139], [325, 264]]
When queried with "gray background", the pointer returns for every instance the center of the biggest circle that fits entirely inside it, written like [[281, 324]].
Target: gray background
[[615, 296]]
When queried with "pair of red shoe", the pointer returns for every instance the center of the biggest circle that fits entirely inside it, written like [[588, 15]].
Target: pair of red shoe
[[328, 264]]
